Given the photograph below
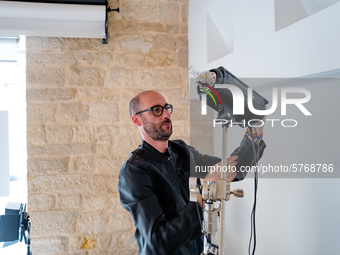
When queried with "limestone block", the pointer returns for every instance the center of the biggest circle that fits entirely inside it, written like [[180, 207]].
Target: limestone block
[[184, 12], [127, 240], [102, 149], [132, 131], [39, 166], [124, 116], [168, 12], [44, 43], [166, 78], [45, 76], [95, 202], [77, 44], [50, 94], [59, 134], [115, 203], [61, 149], [163, 42], [35, 134], [104, 112], [74, 112], [140, 10], [52, 245], [98, 45], [104, 184], [107, 165], [181, 113], [134, 44], [108, 241], [83, 57], [41, 112], [59, 184], [83, 164], [83, 134], [105, 139], [142, 78], [41, 203], [183, 58], [131, 59], [102, 58], [171, 28], [122, 26], [82, 243], [92, 94], [53, 223], [160, 59], [182, 42], [150, 27], [59, 59], [181, 97], [86, 76], [70, 201], [119, 222], [123, 252], [92, 222], [89, 242], [123, 145], [120, 78], [108, 129], [184, 28]]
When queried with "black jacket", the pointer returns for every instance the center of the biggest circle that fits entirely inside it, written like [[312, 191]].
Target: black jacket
[[154, 187]]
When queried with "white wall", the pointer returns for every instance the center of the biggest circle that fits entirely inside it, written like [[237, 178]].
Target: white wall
[[294, 215], [309, 46]]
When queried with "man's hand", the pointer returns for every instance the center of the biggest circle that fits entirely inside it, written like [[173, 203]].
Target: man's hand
[[232, 161]]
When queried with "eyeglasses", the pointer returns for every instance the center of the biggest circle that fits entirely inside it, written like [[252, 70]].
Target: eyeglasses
[[157, 110]]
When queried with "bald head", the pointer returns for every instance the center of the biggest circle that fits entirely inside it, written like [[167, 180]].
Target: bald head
[[137, 102]]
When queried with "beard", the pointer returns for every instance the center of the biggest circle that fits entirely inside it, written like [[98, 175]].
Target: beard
[[156, 131]]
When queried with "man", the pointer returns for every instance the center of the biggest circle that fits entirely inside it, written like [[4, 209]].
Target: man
[[153, 182]]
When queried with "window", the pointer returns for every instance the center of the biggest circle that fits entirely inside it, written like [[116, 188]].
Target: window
[[13, 101]]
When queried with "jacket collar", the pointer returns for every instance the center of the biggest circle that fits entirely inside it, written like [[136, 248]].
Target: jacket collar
[[150, 149]]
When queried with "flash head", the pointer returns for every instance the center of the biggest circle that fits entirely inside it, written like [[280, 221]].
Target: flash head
[[207, 83]]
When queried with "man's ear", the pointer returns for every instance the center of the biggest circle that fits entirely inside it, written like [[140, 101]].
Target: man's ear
[[136, 120]]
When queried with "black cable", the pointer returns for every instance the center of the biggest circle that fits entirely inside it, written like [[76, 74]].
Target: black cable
[[197, 206], [253, 213]]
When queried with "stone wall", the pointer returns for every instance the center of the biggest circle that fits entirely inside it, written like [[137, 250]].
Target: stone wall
[[78, 128]]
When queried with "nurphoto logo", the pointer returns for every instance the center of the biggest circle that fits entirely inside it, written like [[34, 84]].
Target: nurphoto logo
[[238, 103]]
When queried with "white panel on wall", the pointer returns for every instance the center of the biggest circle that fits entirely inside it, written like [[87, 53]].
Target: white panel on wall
[[4, 154], [313, 6], [220, 36], [288, 12]]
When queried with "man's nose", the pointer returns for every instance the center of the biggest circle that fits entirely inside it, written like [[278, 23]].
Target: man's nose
[[165, 114]]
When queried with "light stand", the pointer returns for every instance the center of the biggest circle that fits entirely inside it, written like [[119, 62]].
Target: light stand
[[213, 191]]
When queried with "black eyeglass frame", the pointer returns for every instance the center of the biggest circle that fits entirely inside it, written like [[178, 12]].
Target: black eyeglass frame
[[167, 106]]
